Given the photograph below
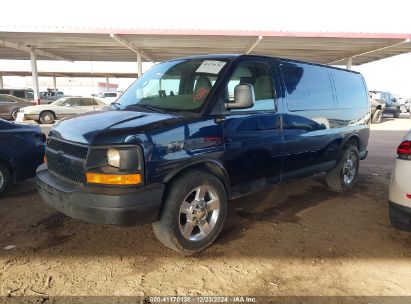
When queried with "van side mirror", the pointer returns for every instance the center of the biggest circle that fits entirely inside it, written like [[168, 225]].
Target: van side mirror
[[244, 97]]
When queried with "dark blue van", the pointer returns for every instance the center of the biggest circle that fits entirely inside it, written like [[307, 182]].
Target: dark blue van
[[192, 133]]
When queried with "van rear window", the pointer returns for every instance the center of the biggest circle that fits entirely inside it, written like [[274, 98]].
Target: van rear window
[[350, 89], [308, 87]]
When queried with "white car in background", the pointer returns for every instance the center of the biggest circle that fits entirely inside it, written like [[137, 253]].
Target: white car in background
[[399, 193], [108, 97], [61, 108]]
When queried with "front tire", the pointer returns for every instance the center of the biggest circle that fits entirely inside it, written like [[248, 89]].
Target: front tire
[[344, 175], [47, 117], [4, 178], [396, 114], [194, 211]]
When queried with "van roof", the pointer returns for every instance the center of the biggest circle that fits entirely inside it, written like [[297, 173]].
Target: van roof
[[235, 56]]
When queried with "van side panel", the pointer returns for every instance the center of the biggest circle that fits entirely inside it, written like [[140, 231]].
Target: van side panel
[[315, 125], [170, 149]]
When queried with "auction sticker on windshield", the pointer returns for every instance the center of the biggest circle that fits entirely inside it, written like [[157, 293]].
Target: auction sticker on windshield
[[211, 67]]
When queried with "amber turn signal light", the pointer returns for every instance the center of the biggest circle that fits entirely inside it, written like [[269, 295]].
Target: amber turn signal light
[[113, 179], [45, 159]]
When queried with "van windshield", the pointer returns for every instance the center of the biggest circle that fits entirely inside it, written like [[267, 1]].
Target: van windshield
[[178, 85]]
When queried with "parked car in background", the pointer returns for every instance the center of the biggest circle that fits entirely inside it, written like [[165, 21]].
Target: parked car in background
[[51, 94], [47, 97], [399, 192], [108, 97], [61, 108], [392, 106], [405, 105], [21, 152], [377, 107], [192, 133], [10, 106], [20, 93]]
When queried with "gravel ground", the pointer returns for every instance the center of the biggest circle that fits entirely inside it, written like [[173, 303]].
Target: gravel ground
[[298, 239]]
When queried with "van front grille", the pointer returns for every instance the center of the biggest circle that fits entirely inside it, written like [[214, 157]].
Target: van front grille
[[68, 148], [66, 160]]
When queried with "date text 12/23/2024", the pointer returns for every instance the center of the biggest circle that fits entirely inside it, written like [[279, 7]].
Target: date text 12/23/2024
[[202, 299]]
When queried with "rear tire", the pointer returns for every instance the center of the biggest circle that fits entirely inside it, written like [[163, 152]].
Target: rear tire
[[4, 178], [396, 114], [344, 175], [194, 211], [47, 117], [377, 117], [14, 113]]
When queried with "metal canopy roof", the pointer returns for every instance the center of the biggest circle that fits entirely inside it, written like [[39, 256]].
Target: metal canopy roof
[[71, 74], [160, 45]]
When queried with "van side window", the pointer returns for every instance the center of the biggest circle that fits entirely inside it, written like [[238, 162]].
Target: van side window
[[308, 87], [350, 90], [259, 75]]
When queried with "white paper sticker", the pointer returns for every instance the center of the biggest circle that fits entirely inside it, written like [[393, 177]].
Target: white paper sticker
[[211, 67]]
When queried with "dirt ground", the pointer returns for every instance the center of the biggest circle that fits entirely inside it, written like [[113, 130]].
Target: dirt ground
[[296, 239]]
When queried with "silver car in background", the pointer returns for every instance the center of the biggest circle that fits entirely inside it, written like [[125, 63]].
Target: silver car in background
[[61, 108]]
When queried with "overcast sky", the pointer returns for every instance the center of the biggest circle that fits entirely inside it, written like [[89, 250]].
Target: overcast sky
[[316, 15]]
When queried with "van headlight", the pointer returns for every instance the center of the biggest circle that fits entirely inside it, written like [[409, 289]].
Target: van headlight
[[116, 165], [113, 157], [125, 159]]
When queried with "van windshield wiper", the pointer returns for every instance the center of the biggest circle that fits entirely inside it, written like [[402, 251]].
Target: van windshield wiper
[[144, 106]]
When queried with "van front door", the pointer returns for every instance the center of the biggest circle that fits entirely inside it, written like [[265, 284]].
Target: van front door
[[254, 142]]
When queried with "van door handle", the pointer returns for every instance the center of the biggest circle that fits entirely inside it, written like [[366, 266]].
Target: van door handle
[[279, 124]]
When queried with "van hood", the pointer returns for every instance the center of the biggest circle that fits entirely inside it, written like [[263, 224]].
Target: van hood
[[108, 127]]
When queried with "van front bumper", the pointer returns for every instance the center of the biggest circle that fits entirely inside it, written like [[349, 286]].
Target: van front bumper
[[100, 204]]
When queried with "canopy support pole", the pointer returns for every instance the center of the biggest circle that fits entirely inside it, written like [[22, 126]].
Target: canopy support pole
[[55, 85], [139, 64], [35, 76], [349, 63]]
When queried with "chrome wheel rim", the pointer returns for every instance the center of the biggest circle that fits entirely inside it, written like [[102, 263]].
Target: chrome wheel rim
[[199, 213], [349, 168], [47, 118]]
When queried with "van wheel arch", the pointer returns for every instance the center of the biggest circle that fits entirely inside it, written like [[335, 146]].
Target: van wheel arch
[[353, 140], [210, 166]]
